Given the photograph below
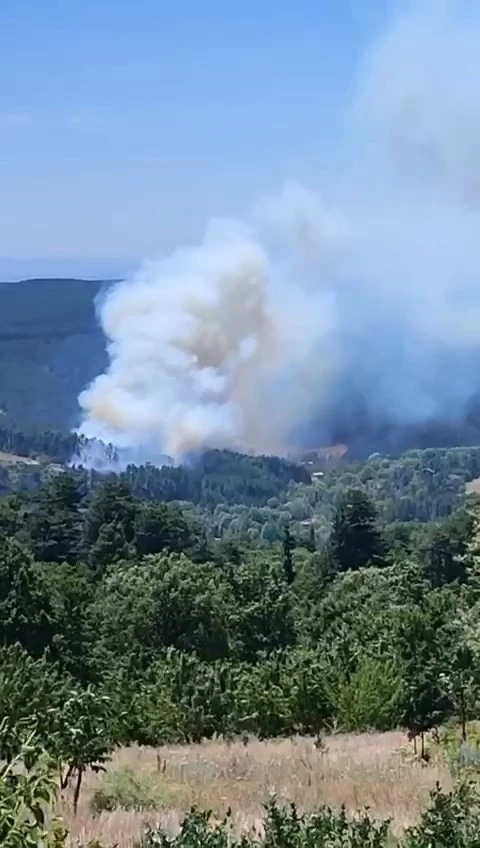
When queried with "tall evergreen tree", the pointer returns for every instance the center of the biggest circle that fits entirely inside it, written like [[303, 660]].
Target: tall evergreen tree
[[288, 548], [356, 540]]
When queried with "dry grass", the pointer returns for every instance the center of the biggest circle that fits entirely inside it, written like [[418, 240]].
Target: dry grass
[[377, 770], [14, 459]]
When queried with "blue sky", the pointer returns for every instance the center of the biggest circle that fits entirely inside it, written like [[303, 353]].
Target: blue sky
[[125, 125]]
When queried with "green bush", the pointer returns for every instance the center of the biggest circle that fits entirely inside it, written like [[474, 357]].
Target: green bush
[[451, 821], [26, 796], [284, 827], [462, 757], [124, 788], [370, 698]]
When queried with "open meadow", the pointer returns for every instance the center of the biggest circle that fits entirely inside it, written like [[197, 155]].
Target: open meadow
[[374, 770]]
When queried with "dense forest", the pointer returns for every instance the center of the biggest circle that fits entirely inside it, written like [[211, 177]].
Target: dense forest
[[232, 635], [235, 596], [232, 494]]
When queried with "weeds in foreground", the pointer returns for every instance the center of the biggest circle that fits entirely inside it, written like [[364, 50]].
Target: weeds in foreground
[[451, 821], [26, 797]]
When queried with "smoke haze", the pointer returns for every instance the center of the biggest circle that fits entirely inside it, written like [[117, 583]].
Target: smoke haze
[[303, 323]]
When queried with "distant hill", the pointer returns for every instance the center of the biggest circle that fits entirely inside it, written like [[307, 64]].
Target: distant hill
[[15, 268], [50, 347]]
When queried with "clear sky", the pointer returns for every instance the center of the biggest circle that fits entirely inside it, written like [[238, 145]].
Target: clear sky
[[125, 124]]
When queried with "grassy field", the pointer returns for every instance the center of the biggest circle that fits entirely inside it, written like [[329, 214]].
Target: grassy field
[[14, 459], [377, 770]]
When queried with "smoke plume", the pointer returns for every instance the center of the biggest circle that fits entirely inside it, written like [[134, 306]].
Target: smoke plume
[[305, 323]]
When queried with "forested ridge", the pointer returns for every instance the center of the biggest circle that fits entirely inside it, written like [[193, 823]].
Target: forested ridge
[[255, 496], [45, 328]]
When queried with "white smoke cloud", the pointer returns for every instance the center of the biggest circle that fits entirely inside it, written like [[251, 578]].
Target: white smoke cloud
[[241, 339], [417, 126], [197, 342], [417, 92]]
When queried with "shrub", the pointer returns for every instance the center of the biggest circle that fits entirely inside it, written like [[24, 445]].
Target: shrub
[[369, 698], [26, 795], [123, 788], [284, 827], [451, 821], [463, 758]]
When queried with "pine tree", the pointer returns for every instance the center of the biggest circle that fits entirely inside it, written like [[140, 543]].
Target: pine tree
[[288, 547], [356, 540]]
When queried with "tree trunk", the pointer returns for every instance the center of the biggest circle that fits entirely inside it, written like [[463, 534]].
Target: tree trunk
[[463, 716], [76, 793], [64, 780]]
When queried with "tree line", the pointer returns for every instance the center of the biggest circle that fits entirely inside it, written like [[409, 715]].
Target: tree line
[[237, 495]]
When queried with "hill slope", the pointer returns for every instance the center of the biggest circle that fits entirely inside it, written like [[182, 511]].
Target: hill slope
[[50, 347]]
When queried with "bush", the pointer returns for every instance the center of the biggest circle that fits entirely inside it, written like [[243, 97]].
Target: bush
[[26, 795], [463, 758], [370, 697], [123, 788], [284, 827], [451, 821]]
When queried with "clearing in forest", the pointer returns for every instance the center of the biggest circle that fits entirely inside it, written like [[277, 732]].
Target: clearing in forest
[[374, 770]]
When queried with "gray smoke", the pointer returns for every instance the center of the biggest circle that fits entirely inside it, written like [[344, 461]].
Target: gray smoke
[[301, 322]]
